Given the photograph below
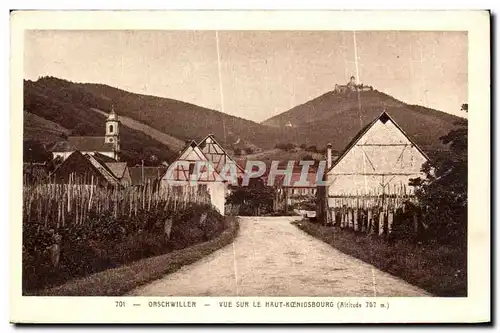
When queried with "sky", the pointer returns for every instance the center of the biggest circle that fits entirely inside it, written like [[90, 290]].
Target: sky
[[257, 74]]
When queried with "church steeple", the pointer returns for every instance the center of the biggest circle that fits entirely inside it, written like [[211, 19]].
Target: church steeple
[[113, 131]]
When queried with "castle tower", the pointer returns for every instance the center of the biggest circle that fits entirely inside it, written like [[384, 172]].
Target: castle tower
[[113, 131]]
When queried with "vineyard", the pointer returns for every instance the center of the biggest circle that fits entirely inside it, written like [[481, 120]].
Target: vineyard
[[76, 229]]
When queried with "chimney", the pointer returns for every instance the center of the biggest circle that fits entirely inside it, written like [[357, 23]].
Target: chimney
[[328, 156]]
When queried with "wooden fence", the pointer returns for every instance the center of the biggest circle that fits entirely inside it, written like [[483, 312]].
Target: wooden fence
[[61, 204], [372, 213]]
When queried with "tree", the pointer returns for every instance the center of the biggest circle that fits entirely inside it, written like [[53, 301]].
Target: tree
[[312, 149], [442, 194], [80, 130], [285, 146], [253, 199], [34, 151]]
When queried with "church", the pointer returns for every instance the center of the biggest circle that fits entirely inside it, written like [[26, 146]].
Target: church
[[108, 145]]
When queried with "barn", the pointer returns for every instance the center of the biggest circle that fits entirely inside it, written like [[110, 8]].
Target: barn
[[178, 177], [367, 184], [379, 158], [83, 169]]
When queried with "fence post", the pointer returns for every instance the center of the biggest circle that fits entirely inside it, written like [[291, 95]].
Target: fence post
[[390, 219], [381, 222]]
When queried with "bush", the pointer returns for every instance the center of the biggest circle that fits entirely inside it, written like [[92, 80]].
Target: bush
[[105, 242], [442, 194], [120, 280]]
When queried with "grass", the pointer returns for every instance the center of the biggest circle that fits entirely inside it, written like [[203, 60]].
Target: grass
[[439, 269], [119, 281]]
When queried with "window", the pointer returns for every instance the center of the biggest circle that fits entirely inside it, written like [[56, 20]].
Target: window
[[110, 128], [202, 189]]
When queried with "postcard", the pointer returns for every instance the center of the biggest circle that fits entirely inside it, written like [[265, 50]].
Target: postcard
[[250, 167]]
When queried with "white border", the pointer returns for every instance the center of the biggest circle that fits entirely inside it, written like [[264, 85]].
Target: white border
[[474, 308]]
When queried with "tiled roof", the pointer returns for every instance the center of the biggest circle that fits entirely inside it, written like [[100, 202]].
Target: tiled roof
[[83, 144], [150, 173], [102, 168], [104, 158], [117, 168], [311, 180], [85, 168]]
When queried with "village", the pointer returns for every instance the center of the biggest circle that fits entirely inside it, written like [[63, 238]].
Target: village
[[374, 170]]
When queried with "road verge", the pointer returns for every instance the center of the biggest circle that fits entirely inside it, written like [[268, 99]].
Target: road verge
[[438, 269], [121, 280]]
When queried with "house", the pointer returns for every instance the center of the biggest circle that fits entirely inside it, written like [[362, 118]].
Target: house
[[218, 156], [120, 171], [182, 176], [108, 145], [378, 159], [83, 169], [296, 189], [141, 175]]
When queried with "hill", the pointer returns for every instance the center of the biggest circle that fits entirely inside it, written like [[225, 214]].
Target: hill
[[41, 129], [168, 140], [336, 117], [159, 126], [183, 120], [63, 104]]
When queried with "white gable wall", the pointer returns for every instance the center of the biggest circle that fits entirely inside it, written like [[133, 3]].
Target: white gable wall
[[192, 154], [216, 188], [381, 159]]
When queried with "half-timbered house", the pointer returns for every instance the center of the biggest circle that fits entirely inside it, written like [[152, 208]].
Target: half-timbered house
[[193, 172], [220, 159]]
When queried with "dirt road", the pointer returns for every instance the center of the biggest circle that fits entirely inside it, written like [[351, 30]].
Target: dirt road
[[271, 257]]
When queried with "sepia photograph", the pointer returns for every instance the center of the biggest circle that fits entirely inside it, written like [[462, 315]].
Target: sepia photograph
[[327, 163]]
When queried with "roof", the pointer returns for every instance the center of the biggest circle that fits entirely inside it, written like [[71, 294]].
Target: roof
[[192, 145], [192, 153], [311, 180], [83, 165], [104, 158], [102, 168], [150, 173], [117, 168], [384, 117], [83, 144]]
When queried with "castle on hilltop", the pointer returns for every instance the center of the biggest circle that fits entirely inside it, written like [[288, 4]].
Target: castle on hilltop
[[352, 86]]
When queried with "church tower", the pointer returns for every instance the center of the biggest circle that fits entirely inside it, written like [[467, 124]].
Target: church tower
[[113, 131]]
